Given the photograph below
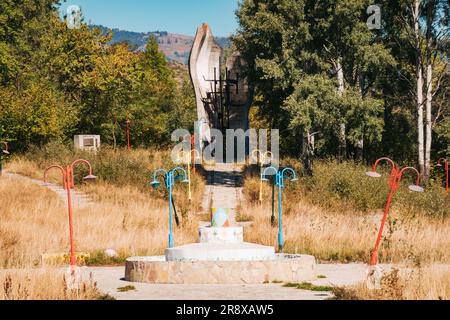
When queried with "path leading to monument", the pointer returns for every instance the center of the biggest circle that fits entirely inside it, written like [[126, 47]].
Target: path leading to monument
[[223, 188], [79, 199], [109, 280]]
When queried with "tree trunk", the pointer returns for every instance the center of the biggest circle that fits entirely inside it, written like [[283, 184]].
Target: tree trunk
[[307, 152], [359, 150], [419, 82], [428, 121], [342, 126], [359, 145], [114, 135]]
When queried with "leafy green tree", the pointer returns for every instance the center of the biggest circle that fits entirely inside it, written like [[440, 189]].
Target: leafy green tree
[[114, 79], [154, 99], [56, 82], [36, 115], [417, 32], [184, 109], [32, 109], [319, 62]]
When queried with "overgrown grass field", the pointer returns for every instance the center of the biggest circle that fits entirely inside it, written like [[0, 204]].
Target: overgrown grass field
[[335, 216], [127, 215]]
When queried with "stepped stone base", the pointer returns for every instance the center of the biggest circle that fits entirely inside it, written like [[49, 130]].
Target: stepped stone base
[[285, 268], [220, 252]]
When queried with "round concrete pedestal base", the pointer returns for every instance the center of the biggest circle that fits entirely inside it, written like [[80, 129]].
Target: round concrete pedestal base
[[285, 268]]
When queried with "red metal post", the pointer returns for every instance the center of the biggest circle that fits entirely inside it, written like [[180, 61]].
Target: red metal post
[[395, 184], [73, 259], [68, 183], [65, 185], [394, 168], [71, 176], [66, 175], [374, 258]]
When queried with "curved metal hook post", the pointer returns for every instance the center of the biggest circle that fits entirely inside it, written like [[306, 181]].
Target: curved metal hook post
[[63, 173], [90, 176], [158, 172], [265, 173], [393, 165], [66, 183], [402, 172], [392, 175], [395, 183], [439, 163], [177, 170], [283, 173]]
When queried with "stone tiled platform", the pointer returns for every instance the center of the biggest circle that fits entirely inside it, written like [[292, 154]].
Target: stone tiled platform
[[286, 268]]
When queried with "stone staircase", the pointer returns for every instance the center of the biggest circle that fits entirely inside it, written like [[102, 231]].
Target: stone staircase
[[79, 199], [223, 188]]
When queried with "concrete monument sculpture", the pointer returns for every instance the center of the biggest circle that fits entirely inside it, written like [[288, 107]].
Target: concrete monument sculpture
[[222, 93], [220, 256]]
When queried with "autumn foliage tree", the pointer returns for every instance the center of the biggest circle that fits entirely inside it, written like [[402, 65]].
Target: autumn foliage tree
[[56, 82], [344, 89]]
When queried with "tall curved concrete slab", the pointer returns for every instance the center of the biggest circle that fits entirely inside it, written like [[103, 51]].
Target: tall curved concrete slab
[[204, 65], [222, 94]]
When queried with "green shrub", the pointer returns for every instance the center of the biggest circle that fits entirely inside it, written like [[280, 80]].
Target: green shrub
[[335, 185], [344, 186], [119, 167]]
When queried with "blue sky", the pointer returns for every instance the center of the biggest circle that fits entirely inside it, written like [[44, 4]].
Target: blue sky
[[175, 16]]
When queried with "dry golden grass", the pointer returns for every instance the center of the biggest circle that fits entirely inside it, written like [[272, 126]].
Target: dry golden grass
[[130, 219], [44, 284], [134, 221], [347, 235], [24, 167], [427, 283], [33, 221]]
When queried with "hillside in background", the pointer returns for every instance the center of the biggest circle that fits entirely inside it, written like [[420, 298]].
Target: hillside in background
[[176, 47]]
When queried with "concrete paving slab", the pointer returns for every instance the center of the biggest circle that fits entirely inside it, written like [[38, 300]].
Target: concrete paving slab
[[110, 279]]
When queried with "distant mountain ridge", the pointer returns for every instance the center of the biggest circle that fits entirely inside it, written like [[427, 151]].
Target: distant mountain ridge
[[176, 47]]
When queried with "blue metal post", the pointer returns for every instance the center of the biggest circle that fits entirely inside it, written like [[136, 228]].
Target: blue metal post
[[279, 181], [280, 211], [169, 188], [272, 219], [169, 181]]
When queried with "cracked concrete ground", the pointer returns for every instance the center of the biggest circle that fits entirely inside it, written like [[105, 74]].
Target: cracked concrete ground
[[110, 279]]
